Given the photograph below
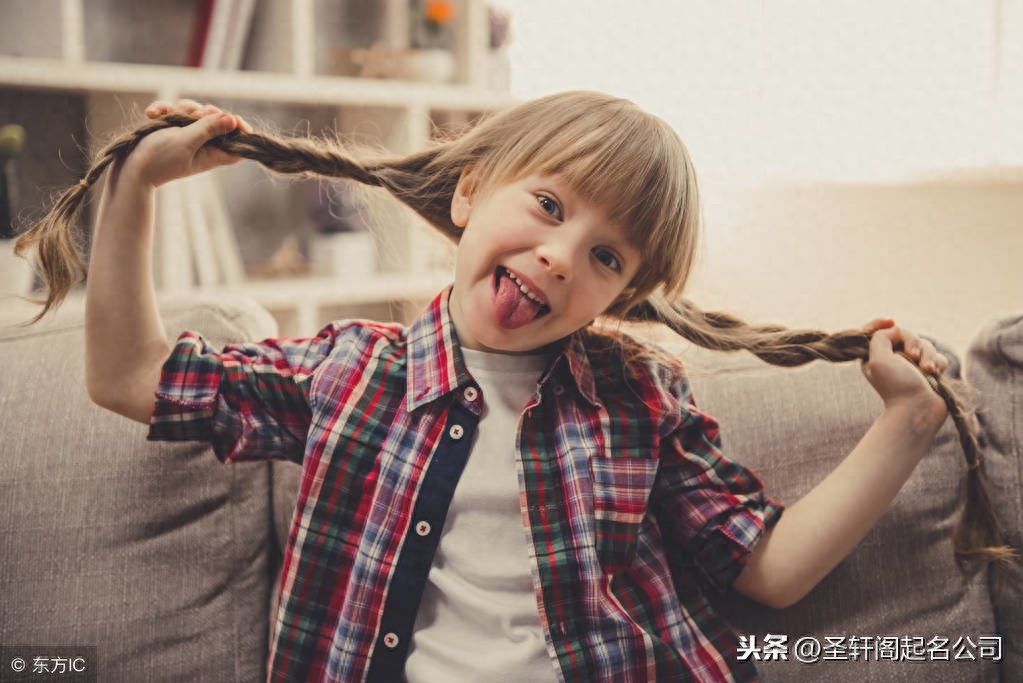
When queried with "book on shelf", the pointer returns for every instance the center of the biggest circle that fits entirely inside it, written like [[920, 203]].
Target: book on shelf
[[220, 32], [196, 243]]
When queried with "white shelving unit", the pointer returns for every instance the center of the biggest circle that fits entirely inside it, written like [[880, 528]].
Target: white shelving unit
[[402, 112]]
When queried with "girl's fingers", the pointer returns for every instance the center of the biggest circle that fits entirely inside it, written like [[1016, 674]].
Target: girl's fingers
[[884, 340], [209, 127], [920, 351], [157, 109], [930, 359], [189, 107], [877, 324], [924, 353], [160, 108]]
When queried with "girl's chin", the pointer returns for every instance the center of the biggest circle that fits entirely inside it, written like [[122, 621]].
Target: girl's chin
[[497, 340]]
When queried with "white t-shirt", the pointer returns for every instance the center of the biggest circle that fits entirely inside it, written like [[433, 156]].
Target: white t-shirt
[[478, 620]]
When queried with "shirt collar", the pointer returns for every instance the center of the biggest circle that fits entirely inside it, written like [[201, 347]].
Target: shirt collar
[[572, 353], [436, 367]]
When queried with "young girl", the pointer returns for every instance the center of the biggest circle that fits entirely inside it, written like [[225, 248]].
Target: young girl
[[500, 490]]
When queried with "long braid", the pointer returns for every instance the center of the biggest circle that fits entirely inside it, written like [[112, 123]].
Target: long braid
[[425, 182], [977, 535]]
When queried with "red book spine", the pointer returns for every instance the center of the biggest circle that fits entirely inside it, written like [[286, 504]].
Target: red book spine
[[200, 31]]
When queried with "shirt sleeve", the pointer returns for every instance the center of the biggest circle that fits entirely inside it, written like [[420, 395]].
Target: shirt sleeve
[[712, 510], [250, 400]]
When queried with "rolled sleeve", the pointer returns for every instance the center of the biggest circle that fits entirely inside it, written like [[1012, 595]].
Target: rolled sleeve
[[249, 400], [187, 395], [712, 510]]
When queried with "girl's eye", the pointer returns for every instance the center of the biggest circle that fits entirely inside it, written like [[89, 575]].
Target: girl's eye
[[609, 260], [548, 205]]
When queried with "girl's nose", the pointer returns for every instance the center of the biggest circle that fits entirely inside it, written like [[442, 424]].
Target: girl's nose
[[556, 261]]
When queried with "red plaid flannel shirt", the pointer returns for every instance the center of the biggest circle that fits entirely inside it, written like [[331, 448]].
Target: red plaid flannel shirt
[[634, 514]]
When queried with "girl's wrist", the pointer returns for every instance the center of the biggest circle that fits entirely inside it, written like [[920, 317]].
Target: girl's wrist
[[132, 172], [924, 414]]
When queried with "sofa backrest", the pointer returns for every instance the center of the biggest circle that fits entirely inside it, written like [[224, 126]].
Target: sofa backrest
[[900, 587]]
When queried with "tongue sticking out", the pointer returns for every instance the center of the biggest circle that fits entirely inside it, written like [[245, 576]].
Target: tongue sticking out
[[514, 308]]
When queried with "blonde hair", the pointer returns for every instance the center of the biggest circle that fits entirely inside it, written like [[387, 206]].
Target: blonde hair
[[609, 151]]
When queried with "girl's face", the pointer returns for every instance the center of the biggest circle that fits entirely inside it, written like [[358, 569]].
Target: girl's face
[[535, 233]]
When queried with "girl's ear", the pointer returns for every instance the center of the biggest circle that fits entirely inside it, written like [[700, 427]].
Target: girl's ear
[[461, 201]]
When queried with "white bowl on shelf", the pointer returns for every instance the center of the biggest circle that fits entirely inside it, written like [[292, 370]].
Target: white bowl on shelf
[[15, 272], [344, 255], [428, 66]]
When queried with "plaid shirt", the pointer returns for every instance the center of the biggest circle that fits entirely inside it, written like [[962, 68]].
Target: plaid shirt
[[632, 513]]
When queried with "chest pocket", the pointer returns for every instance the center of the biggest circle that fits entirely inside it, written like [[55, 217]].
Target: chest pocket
[[621, 490]]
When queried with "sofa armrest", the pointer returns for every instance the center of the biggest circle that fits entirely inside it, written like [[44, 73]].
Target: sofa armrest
[[994, 366], [155, 553]]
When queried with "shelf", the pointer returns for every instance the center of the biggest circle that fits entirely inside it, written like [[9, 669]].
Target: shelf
[[251, 85], [301, 304], [287, 293], [64, 73], [296, 303]]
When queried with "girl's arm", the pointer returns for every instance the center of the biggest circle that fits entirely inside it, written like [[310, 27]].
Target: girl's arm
[[125, 343], [818, 531]]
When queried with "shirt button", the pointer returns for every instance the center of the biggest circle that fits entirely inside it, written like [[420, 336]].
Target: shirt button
[[456, 432], [559, 389], [423, 528], [391, 640], [471, 394]]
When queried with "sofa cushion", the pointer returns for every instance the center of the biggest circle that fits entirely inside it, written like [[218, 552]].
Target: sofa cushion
[[994, 365], [793, 426], [156, 553]]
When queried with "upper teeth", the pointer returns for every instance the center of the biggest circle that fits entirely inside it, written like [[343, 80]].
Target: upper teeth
[[523, 288]]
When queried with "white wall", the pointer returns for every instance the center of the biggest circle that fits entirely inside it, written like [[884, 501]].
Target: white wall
[[865, 96], [940, 257]]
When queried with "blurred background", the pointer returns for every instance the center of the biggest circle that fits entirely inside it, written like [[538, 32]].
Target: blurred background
[[856, 160]]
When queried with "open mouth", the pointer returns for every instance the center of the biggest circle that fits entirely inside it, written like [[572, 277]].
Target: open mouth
[[515, 302]]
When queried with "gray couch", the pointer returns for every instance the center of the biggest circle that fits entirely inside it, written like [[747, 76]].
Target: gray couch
[[166, 561]]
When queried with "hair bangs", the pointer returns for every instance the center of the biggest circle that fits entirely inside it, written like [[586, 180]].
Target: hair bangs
[[638, 171]]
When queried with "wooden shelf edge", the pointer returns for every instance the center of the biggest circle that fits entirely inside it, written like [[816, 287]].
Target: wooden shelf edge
[[252, 85]]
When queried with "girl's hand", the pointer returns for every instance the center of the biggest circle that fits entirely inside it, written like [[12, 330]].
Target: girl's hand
[[895, 378], [179, 152]]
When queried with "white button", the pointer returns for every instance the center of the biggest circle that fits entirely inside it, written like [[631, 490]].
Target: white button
[[471, 394], [558, 390], [391, 640], [423, 528], [456, 432]]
